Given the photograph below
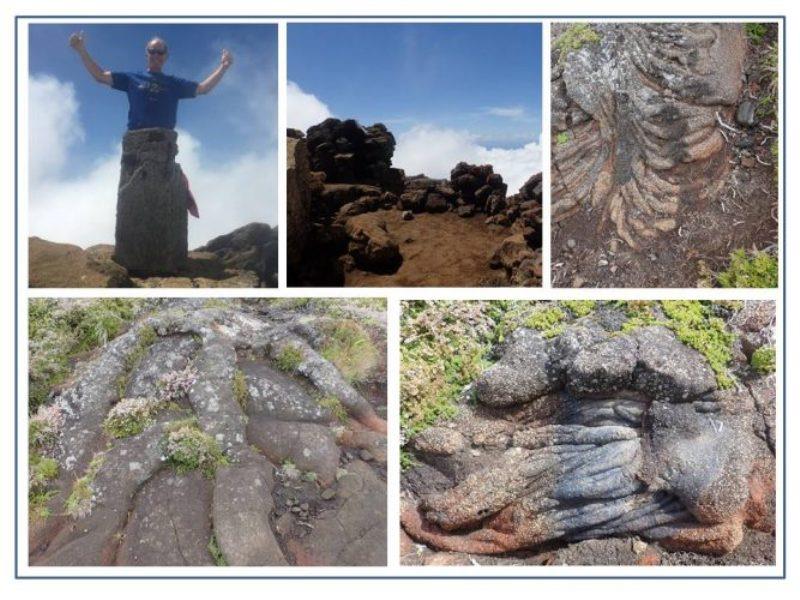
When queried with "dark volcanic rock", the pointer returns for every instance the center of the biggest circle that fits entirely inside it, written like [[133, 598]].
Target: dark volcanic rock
[[197, 481], [152, 222], [349, 153], [253, 247], [592, 434]]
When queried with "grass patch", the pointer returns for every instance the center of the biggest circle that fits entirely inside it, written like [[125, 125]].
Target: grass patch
[[59, 331], [240, 391], [333, 404], [187, 448], [349, 347], [575, 37], [763, 360], [216, 552], [289, 358], [80, 501], [759, 270]]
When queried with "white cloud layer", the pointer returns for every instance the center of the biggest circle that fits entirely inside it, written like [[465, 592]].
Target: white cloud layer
[[304, 109], [434, 151], [81, 208]]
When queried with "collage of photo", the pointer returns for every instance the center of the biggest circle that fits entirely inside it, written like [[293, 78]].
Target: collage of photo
[[484, 405]]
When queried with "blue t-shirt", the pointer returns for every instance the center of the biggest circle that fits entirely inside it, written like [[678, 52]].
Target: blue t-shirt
[[153, 97]]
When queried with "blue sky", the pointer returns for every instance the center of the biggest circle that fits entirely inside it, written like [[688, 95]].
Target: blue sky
[[482, 77], [76, 124]]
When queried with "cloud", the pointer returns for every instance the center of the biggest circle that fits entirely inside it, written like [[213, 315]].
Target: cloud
[[54, 125], [510, 112], [81, 209], [434, 151], [303, 109]]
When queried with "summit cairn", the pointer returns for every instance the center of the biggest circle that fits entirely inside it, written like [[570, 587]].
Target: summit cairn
[[152, 222]]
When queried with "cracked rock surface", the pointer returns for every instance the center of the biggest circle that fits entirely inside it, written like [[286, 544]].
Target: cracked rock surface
[[591, 434], [299, 472]]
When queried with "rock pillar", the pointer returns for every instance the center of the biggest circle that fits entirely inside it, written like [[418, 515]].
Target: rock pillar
[[152, 221]]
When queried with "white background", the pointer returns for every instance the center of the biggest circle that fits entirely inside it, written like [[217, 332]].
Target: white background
[[356, 588]]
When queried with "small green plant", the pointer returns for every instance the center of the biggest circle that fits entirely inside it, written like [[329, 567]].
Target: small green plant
[[579, 308], [216, 552], [562, 137], [547, 320], [240, 391], [289, 358], [80, 502], [42, 471], [406, 460], [349, 347], [763, 360], [188, 448], [575, 37], [759, 270], [333, 404], [755, 32]]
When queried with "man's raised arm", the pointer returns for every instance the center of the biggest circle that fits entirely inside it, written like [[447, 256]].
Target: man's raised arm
[[77, 42], [210, 82]]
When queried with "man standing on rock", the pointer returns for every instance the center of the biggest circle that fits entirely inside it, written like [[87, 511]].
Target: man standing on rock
[[152, 95]]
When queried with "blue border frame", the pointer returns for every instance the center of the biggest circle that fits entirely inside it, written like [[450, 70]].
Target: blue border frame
[[782, 282]]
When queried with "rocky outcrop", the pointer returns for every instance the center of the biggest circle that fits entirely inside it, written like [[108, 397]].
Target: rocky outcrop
[[253, 248], [635, 114], [595, 433], [213, 435], [348, 153], [351, 175], [152, 222]]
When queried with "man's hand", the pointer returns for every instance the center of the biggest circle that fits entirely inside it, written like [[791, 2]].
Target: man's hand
[[227, 59], [77, 41]]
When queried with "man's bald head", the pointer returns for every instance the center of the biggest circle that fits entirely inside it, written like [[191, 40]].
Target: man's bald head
[[156, 52]]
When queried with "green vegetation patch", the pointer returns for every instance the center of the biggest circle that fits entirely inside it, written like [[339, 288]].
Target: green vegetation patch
[[562, 138], [216, 552], [759, 270], [240, 391], [80, 502], [130, 416], [579, 308], [187, 448], [763, 360], [333, 404], [349, 347], [575, 37], [756, 32], [547, 320], [59, 331], [289, 358], [445, 345]]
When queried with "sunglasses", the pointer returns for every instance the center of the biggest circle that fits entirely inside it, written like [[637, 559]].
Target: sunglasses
[[158, 51]]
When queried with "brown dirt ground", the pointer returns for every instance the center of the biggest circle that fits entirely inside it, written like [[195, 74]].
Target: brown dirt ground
[[439, 250]]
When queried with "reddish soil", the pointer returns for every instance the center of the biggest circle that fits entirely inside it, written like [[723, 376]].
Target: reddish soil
[[439, 250]]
